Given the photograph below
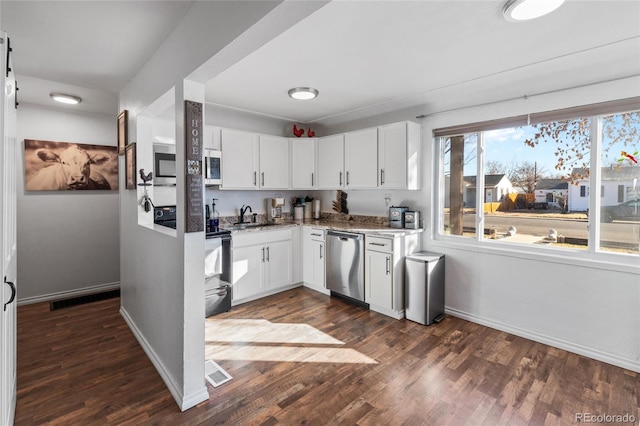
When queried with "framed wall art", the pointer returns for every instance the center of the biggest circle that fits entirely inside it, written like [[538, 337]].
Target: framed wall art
[[123, 130], [65, 166], [130, 166]]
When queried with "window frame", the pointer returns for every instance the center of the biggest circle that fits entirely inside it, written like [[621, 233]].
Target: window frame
[[593, 256]]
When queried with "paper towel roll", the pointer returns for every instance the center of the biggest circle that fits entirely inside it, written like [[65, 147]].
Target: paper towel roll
[[316, 209]]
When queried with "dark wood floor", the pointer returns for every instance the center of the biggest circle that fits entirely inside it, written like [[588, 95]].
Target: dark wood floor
[[82, 366]]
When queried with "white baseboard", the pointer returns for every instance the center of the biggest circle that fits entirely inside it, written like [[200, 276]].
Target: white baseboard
[[388, 312], [598, 355], [264, 294], [184, 401], [68, 294], [316, 288]]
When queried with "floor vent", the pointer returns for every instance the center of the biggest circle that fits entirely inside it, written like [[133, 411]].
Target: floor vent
[[81, 300], [215, 374]]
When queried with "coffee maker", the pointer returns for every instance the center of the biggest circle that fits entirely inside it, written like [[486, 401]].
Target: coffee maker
[[274, 209]]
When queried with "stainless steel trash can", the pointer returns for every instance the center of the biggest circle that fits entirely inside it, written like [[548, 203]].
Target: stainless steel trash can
[[424, 287]]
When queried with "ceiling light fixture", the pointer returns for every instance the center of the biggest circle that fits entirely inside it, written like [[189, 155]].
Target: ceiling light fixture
[[303, 93], [524, 10], [65, 99]]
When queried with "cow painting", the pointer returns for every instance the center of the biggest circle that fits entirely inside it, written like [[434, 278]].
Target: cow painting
[[60, 166]]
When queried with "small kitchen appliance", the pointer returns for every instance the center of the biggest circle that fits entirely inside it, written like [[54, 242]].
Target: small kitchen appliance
[[396, 216], [212, 167], [411, 219], [274, 209]]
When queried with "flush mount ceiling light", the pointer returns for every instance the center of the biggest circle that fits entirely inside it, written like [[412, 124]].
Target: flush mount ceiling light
[[65, 99], [523, 10], [303, 93]]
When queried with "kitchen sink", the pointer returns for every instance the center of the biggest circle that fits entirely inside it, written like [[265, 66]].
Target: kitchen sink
[[241, 226]]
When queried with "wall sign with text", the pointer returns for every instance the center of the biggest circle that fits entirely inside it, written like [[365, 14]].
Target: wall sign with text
[[193, 167]]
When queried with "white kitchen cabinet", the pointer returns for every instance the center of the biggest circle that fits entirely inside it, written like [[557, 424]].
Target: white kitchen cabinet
[[247, 272], [399, 156], [241, 161], [303, 163], [277, 264], [330, 167], [361, 158], [274, 162], [262, 264], [313, 259], [379, 281], [384, 272], [211, 137]]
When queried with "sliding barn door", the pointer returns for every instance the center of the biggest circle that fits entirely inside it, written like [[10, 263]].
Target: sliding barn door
[[8, 159]]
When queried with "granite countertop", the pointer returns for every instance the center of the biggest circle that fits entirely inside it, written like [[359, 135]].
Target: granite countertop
[[378, 229]]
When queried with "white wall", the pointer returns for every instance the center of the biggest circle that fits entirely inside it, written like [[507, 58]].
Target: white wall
[[68, 242], [584, 303], [162, 285]]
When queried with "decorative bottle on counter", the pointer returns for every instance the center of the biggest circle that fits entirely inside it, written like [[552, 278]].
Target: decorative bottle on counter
[[215, 218]]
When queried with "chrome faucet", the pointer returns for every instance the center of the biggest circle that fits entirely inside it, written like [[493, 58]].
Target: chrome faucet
[[243, 210]]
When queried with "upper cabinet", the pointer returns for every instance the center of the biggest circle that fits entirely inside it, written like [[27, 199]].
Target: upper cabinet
[[387, 157], [361, 159], [303, 163], [252, 161], [240, 159], [211, 137], [330, 162], [399, 156], [274, 162]]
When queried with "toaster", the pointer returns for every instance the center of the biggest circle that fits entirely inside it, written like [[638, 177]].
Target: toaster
[[411, 219], [396, 216]]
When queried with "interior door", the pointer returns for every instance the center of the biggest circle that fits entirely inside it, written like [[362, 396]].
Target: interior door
[[8, 237]]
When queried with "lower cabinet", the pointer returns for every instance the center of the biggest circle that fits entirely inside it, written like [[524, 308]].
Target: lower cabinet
[[384, 272], [379, 279], [262, 264], [313, 259]]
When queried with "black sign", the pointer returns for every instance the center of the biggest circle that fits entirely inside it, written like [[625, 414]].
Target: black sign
[[193, 166]]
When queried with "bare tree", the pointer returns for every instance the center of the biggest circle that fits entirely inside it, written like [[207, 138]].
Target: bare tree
[[526, 175], [494, 167], [573, 141]]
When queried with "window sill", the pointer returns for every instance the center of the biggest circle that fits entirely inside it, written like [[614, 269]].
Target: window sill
[[628, 263]]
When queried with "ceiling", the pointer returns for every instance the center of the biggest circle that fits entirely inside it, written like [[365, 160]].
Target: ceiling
[[365, 57]]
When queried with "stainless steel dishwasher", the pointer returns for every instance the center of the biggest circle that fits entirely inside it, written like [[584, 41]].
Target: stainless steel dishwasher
[[345, 264]]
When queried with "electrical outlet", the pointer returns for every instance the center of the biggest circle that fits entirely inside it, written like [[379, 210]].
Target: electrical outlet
[[387, 199]]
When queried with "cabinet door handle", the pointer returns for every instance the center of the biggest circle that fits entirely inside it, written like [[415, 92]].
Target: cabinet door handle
[[311, 179], [340, 178], [262, 254], [13, 292], [388, 265], [9, 50], [347, 178], [320, 251], [267, 253], [381, 176], [377, 244], [262, 176], [255, 178], [316, 235]]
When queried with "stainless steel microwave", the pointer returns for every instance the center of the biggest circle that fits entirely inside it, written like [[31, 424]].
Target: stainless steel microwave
[[212, 167], [164, 159], [164, 164]]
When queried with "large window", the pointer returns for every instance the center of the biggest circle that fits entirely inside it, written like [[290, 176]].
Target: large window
[[529, 183]]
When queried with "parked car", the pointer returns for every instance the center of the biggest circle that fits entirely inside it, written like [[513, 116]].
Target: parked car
[[625, 211]]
